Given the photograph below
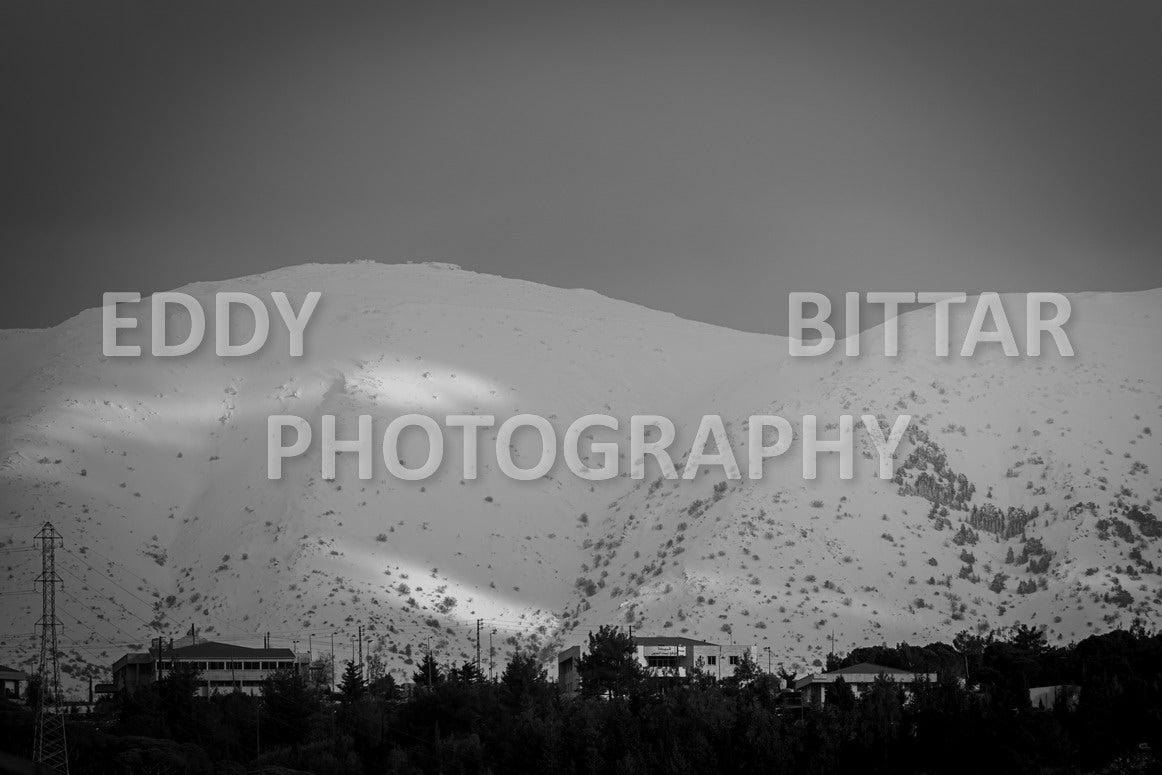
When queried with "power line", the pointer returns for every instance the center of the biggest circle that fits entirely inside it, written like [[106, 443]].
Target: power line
[[111, 579], [87, 582]]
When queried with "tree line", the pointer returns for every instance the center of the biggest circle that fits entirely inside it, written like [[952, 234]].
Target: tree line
[[975, 717]]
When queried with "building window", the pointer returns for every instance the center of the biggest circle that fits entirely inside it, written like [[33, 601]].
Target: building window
[[662, 661], [734, 659], [711, 661]]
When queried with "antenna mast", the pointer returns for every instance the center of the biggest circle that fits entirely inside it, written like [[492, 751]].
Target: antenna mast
[[49, 748]]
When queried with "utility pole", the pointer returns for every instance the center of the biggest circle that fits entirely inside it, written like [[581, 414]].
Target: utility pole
[[359, 635], [49, 746], [491, 654], [478, 623], [768, 650], [429, 660], [332, 661]]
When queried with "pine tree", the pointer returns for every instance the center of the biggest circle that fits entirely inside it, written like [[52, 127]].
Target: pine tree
[[351, 688], [841, 695], [428, 672], [522, 676], [288, 703], [1029, 639], [383, 687], [611, 666], [467, 673]]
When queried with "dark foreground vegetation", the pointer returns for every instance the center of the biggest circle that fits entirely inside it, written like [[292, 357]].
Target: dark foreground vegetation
[[628, 723]]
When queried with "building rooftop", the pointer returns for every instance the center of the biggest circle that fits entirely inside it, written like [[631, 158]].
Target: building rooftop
[[12, 674], [213, 650], [208, 649], [648, 640], [866, 668], [863, 669]]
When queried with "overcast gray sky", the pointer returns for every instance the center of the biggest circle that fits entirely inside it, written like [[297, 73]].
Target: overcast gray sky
[[703, 159]]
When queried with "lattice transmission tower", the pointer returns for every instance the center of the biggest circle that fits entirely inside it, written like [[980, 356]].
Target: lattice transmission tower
[[49, 747]]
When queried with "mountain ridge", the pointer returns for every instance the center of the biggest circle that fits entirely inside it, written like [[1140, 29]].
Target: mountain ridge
[[155, 472]]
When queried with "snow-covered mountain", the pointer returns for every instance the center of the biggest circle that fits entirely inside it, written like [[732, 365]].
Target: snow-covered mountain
[[1037, 475]]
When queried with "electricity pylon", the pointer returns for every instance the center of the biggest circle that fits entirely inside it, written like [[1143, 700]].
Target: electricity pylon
[[49, 747]]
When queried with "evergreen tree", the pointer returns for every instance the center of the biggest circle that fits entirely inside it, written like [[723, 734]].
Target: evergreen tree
[[351, 688], [176, 692], [522, 677], [611, 667], [288, 702], [1028, 638], [428, 673], [467, 673], [841, 695], [384, 687]]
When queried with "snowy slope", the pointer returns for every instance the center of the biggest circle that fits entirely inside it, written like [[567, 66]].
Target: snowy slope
[[155, 472]]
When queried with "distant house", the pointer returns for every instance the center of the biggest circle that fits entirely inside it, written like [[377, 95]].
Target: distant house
[[859, 677], [222, 667], [1048, 697], [11, 683], [664, 657]]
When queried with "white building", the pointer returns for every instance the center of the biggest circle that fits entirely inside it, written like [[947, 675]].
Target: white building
[[859, 677], [665, 657], [222, 667]]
